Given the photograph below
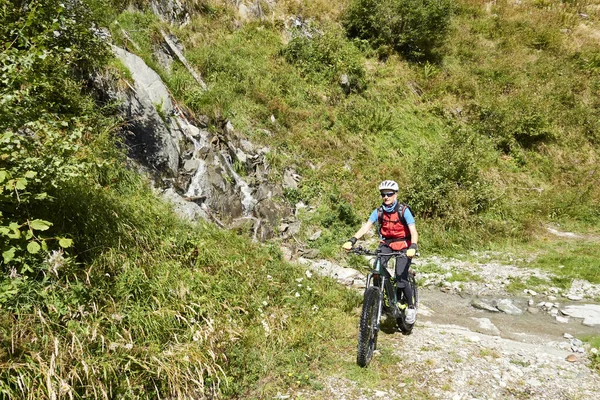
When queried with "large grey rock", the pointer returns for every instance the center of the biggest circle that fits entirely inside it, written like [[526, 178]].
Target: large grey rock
[[146, 79], [290, 179], [486, 326], [185, 209], [173, 11], [222, 173], [507, 307], [581, 311], [254, 9], [148, 138], [482, 305], [345, 276], [292, 229], [589, 312], [212, 182], [191, 165]]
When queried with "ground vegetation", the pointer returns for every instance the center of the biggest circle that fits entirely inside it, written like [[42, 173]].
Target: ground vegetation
[[486, 116]]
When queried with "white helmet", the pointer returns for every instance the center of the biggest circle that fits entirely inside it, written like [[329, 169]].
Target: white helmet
[[388, 185]]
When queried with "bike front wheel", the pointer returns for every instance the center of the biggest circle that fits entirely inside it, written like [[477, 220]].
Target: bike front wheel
[[368, 329]]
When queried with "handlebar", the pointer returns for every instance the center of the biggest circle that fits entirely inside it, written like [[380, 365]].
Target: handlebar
[[359, 250]]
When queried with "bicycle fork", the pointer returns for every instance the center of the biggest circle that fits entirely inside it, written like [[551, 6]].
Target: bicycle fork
[[379, 312]]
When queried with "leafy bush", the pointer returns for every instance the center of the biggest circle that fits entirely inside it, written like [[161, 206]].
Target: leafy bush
[[518, 123], [47, 45], [414, 28], [44, 119], [326, 55], [35, 160], [588, 60], [365, 116], [342, 214], [445, 181]]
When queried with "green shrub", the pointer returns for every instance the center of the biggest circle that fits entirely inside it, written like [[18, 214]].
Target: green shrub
[[588, 60], [445, 180], [341, 214], [48, 47], [44, 119], [513, 124], [414, 28], [326, 55], [365, 117]]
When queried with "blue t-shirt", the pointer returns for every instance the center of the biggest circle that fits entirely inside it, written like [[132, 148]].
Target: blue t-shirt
[[410, 219]]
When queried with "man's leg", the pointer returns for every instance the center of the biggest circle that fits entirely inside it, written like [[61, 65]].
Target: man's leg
[[385, 249], [402, 265]]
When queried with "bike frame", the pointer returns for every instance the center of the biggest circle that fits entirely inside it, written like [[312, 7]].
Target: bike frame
[[379, 271], [380, 296], [381, 277]]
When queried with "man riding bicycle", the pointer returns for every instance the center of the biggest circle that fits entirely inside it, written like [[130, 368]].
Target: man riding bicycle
[[398, 232]]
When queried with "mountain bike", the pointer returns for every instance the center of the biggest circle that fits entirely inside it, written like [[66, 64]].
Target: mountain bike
[[381, 297]]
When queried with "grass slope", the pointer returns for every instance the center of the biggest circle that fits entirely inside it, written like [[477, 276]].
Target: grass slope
[[496, 139]]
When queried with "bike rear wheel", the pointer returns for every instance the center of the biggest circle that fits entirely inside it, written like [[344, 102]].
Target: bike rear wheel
[[368, 329]]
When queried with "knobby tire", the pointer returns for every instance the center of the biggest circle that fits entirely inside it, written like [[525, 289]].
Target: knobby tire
[[367, 332]]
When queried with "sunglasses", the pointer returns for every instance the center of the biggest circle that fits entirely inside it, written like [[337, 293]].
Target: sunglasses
[[387, 194]]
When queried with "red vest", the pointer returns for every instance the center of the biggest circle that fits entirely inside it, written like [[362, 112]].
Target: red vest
[[393, 227]]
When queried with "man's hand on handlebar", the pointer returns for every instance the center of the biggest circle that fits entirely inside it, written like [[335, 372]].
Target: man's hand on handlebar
[[412, 250], [349, 244]]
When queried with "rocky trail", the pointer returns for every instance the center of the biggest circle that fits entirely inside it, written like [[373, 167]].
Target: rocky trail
[[475, 340]]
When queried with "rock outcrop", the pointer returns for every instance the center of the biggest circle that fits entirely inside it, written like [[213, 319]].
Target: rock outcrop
[[223, 174]]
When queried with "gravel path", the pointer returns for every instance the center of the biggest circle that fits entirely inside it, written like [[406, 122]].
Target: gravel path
[[469, 360], [461, 352]]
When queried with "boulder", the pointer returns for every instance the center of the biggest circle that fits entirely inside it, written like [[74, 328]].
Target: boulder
[[581, 311], [188, 210], [290, 180], [507, 307], [149, 140], [172, 11], [202, 168], [590, 313], [346, 276], [482, 305], [486, 326]]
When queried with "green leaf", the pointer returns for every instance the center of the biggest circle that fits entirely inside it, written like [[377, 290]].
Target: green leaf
[[16, 233], [40, 225], [33, 247], [64, 242], [21, 184], [29, 174], [9, 254], [25, 268], [44, 245], [3, 175]]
